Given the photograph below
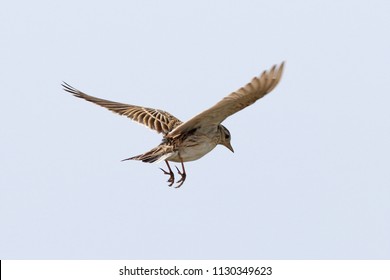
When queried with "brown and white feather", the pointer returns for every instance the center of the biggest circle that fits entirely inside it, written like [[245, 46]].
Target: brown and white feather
[[155, 119], [234, 102]]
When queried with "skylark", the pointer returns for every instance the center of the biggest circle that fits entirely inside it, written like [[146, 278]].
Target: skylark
[[193, 139]]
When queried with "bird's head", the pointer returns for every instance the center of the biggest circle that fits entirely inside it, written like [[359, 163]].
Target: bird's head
[[225, 138]]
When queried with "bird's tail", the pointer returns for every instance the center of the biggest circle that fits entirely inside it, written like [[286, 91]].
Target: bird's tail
[[154, 155]]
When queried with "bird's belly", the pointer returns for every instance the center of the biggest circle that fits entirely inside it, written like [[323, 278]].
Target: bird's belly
[[193, 152]]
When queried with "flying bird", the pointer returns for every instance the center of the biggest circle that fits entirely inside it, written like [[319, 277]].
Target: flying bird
[[193, 139]]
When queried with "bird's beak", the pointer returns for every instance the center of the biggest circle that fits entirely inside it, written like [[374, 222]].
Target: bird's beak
[[229, 146]]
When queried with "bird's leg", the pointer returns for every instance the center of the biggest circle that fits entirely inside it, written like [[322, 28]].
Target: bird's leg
[[171, 179], [182, 174]]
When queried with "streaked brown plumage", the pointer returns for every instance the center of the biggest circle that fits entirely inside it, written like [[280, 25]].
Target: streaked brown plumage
[[193, 139]]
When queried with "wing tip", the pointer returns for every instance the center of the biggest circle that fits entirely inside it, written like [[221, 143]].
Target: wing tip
[[68, 88], [281, 66], [276, 74]]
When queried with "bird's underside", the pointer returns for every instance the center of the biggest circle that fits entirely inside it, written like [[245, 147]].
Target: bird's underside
[[193, 139]]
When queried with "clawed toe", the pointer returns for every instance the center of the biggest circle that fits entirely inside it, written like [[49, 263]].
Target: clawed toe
[[178, 171], [183, 176], [181, 181], [171, 179], [165, 172]]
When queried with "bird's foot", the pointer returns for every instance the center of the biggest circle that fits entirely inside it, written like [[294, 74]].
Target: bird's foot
[[182, 179], [171, 179]]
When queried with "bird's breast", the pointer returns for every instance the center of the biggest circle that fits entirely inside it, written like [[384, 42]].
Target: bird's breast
[[193, 148]]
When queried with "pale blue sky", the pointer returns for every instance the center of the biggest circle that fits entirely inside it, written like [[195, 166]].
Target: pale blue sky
[[309, 178]]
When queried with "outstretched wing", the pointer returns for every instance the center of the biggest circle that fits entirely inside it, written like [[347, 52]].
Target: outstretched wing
[[155, 119], [236, 101]]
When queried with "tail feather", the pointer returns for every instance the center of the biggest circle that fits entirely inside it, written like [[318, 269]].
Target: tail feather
[[155, 155], [144, 158]]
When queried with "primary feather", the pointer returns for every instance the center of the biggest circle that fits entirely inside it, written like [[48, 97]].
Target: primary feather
[[155, 119]]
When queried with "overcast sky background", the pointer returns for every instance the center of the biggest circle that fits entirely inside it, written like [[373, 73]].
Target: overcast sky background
[[309, 178]]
